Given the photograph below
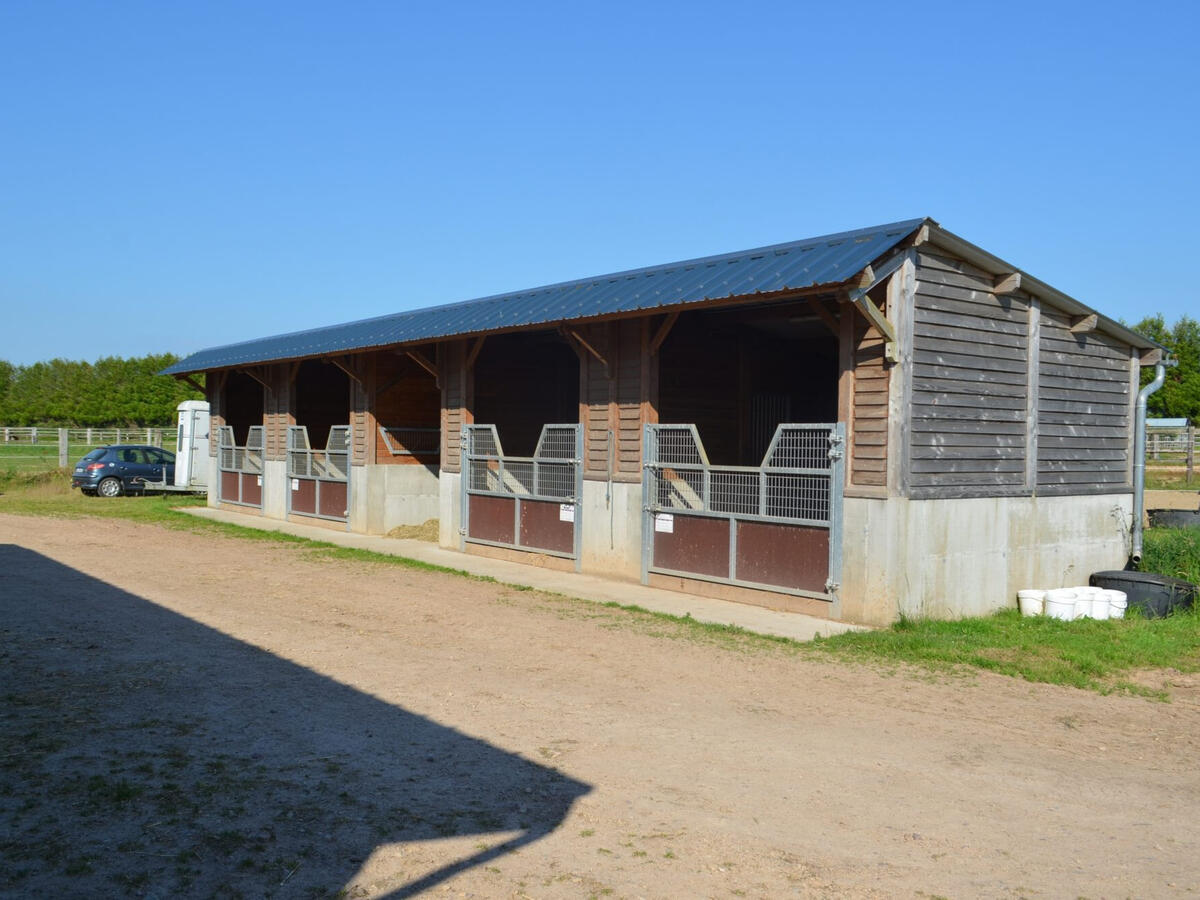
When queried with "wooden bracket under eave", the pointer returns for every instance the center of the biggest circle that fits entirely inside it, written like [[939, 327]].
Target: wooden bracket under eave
[[1084, 324], [1151, 357], [188, 379], [577, 340], [663, 330], [253, 372], [350, 370], [473, 353], [830, 320], [1006, 283], [425, 363]]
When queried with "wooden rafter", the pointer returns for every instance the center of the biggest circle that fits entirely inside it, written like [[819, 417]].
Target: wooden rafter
[[254, 372], [425, 363], [866, 282], [663, 330]]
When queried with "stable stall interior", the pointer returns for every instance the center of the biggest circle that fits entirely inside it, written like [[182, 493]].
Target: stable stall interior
[[738, 373], [407, 408]]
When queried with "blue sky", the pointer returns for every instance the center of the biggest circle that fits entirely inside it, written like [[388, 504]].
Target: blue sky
[[175, 176]]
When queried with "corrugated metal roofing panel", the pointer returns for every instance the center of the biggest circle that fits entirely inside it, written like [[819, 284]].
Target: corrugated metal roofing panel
[[830, 259]]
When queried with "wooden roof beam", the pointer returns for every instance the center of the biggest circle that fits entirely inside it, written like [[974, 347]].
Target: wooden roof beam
[[830, 320], [349, 369], [253, 372], [473, 353], [1084, 324], [572, 335]]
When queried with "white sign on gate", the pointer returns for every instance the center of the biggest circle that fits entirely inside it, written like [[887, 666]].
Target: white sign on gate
[[566, 512], [664, 522], [295, 484]]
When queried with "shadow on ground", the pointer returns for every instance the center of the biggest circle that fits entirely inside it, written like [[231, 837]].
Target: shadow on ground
[[143, 753]]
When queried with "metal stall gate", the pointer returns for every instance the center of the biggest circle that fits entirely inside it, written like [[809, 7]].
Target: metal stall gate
[[776, 526], [319, 480], [524, 503], [241, 468]]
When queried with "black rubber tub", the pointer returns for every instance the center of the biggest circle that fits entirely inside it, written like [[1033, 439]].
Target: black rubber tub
[[1155, 595], [1174, 518]]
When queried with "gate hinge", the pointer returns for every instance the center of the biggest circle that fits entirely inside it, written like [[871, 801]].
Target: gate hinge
[[836, 446], [831, 586], [462, 531], [462, 442]]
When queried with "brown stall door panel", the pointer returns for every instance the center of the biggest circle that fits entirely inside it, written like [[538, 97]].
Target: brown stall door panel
[[333, 499], [304, 496], [697, 544], [491, 518], [541, 527], [229, 486], [251, 489], [790, 556]]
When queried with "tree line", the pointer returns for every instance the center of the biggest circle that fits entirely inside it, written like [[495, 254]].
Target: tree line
[[112, 391], [1179, 396], [129, 393]]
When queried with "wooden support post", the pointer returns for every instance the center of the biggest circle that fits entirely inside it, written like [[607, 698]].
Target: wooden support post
[[473, 353], [1191, 453], [572, 334]]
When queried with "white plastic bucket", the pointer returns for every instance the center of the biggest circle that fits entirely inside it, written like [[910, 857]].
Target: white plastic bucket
[[1100, 605], [1060, 604], [1030, 602], [1085, 598], [1117, 602]]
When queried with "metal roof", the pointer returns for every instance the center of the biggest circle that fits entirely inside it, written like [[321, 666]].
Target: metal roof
[[830, 259]]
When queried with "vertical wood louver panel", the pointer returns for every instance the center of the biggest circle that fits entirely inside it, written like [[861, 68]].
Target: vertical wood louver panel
[[1084, 409], [967, 432]]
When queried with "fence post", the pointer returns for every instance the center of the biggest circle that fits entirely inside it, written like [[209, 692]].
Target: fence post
[[33, 435], [1191, 453], [62, 448]]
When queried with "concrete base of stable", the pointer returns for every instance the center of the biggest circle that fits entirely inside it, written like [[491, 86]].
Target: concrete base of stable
[[946, 559], [788, 603], [524, 557], [586, 587]]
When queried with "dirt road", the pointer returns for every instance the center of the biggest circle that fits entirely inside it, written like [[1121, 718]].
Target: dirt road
[[192, 715]]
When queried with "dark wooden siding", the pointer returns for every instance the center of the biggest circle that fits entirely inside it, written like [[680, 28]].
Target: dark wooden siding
[[277, 414], [406, 396], [1084, 409], [970, 383]]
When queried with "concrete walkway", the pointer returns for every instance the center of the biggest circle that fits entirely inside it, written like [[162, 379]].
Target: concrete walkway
[[587, 587]]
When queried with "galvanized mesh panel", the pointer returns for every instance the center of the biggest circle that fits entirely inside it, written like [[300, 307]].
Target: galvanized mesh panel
[[226, 447], [799, 447], [333, 463], [254, 439], [797, 497], [793, 482], [734, 492], [482, 440], [556, 442], [551, 472], [679, 445], [339, 439], [412, 441]]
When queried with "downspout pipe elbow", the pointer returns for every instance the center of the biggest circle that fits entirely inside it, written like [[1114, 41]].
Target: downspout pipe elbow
[[1139, 459]]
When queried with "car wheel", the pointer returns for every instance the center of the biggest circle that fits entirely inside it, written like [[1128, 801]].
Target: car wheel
[[109, 487]]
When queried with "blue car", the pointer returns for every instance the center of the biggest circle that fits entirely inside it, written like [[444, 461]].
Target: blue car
[[123, 468]]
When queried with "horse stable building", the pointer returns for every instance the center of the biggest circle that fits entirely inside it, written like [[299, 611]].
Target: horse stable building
[[862, 425]]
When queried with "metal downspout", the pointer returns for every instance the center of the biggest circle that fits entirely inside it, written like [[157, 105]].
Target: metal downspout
[[1139, 460]]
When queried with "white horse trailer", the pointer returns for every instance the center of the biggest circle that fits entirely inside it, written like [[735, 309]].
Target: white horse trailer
[[191, 446]]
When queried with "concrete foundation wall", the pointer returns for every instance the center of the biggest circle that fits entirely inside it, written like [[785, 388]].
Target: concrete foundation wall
[[275, 488], [214, 481], [952, 558], [382, 497], [612, 529], [449, 509]]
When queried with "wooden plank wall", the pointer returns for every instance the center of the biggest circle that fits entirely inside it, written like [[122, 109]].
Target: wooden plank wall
[[451, 360], [277, 411], [406, 396], [611, 399], [868, 437], [967, 432], [1084, 414], [362, 420]]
